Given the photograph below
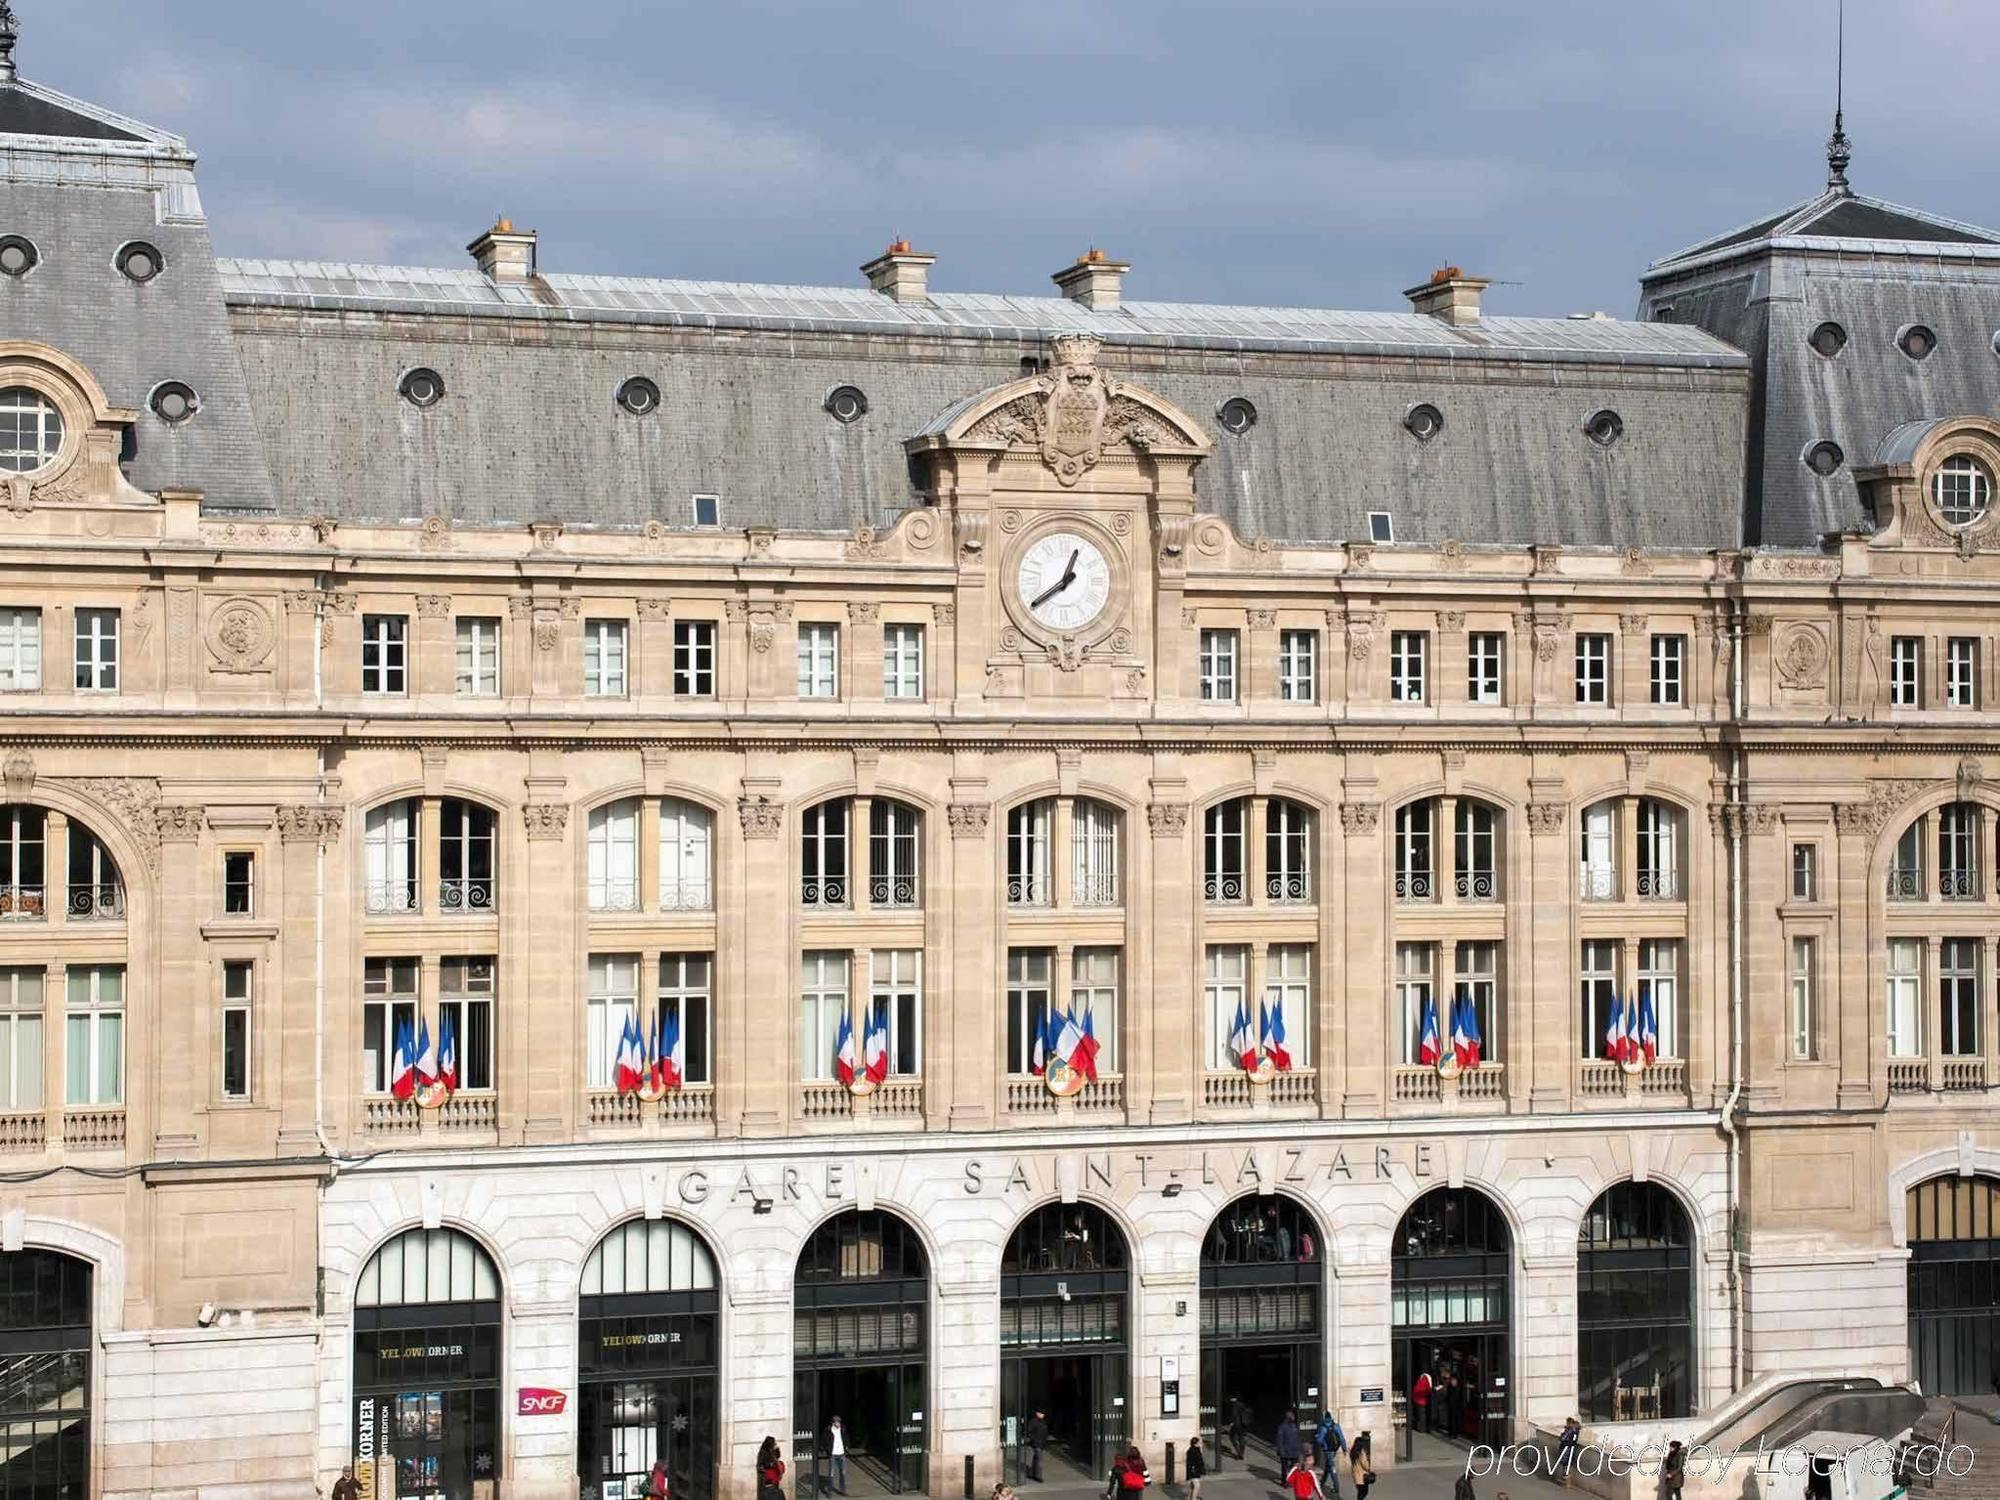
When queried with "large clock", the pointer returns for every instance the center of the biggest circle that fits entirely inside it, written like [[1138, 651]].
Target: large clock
[[1064, 581]]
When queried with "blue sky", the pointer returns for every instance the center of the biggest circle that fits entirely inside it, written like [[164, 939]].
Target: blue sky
[[1267, 151]]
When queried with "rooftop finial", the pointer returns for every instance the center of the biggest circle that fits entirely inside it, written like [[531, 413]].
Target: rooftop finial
[[10, 33], [1839, 151]]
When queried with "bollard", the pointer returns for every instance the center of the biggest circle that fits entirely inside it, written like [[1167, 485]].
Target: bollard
[[1170, 1466], [968, 1476]]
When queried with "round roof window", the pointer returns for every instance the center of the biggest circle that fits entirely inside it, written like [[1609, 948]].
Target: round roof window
[[1828, 339], [31, 430], [1604, 427], [846, 403], [1917, 341], [1963, 490], [1423, 421], [1236, 414], [174, 401], [18, 255], [639, 396], [421, 387], [139, 261], [1825, 458]]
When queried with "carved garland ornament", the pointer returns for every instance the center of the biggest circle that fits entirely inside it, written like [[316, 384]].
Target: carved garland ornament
[[968, 819], [309, 824], [545, 820], [1545, 817], [1360, 817], [1167, 819], [760, 816]]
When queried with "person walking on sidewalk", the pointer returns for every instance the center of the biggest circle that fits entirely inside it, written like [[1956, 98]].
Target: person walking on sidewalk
[[1290, 1449], [770, 1471], [1463, 1489], [1239, 1425], [1332, 1443], [1564, 1462], [1301, 1481], [1197, 1467], [1036, 1437], [1131, 1475], [1673, 1472], [1420, 1402], [344, 1488], [836, 1448], [1361, 1464]]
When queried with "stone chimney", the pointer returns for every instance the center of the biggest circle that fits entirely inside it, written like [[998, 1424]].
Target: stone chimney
[[1450, 294], [504, 253], [900, 273], [1094, 280]]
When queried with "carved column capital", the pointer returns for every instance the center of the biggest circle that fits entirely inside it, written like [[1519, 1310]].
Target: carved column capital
[[433, 606], [1360, 817], [177, 825], [761, 817], [310, 824], [1167, 819], [545, 820], [968, 819], [1545, 818]]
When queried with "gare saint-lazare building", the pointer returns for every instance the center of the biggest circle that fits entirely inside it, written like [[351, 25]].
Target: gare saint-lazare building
[[490, 751]]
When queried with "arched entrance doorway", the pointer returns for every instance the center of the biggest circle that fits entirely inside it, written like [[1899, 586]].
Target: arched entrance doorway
[[648, 1345], [1449, 1313], [45, 1339], [427, 1368], [860, 1352], [1635, 1307], [1065, 1341], [1954, 1289], [1262, 1290]]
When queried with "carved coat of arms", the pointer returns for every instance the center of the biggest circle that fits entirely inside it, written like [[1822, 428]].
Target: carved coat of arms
[[1073, 425]]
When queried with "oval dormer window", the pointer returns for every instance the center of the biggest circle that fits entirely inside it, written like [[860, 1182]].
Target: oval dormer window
[[1917, 341], [174, 402], [140, 262], [1236, 414], [1963, 490], [639, 396], [1604, 427], [421, 387], [1423, 421], [18, 255], [31, 430], [1828, 339], [846, 404], [1825, 458]]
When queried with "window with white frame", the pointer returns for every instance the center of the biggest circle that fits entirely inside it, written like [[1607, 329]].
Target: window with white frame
[[604, 673], [388, 1009], [478, 656], [1416, 978], [1906, 864], [23, 871], [896, 990], [465, 856], [1476, 851], [385, 655], [1961, 672], [238, 980], [687, 994], [95, 890], [1225, 993], [822, 1005], [1094, 853], [1660, 978], [389, 842], [1658, 851], [823, 855], [1958, 851], [1485, 651], [611, 1004], [1093, 991], [1288, 993], [1598, 971], [21, 1038], [466, 997], [895, 839], [611, 845], [819, 660], [1030, 993], [97, 651], [1805, 872], [1906, 671], [1669, 675], [94, 1040], [1409, 657], [1477, 978], [1415, 853], [1593, 669], [1218, 666], [1905, 999], [239, 883], [1298, 666], [902, 661], [694, 658], [20, 650], [687, 856], [1028, 853], [1225, 874], [1805, 976], [1596, 864], [1958, 997], [1288, 838]]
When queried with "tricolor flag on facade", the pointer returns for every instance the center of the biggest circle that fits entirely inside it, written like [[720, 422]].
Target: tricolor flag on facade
[[1615, 1031], [1240, 1045], [1271, 1036], [628, 1068], [1429, 1046], [447, 1065], [1085, 1060], [403, 1072], [843, 1050], [875, 1044], [1649, 1025], [673, 1051], [1466, 1036], [427, 1065], [1068, 1037], [1038, 1060]]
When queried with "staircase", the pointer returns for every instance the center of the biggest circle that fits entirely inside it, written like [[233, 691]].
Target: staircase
[[1968, 1425]]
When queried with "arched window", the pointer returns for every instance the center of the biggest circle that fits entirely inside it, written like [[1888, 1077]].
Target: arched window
[[1450, 1313], [390, 845], [1030, 853], [1954, 1283], [1065, 1329], [1596, 853], [93, 889], [1635, 1306], [823, 856], [1415, 852], [1659, 847], [1949, 841], [1958, 851], [1476, 851], [22, 867], [1094, 840], [45, 1345], [687, 856], [1288, 837], [1263, 1271], [465, 856], [895, 839], [1225, 872], [612, 853]]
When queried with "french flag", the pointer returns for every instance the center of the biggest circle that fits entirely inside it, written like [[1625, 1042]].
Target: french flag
[[1271, 1028], [628, 1071], [403, 1078], [1614, 1032], [1429, 1048], [875, 1045], [1069, 1036], [1239, 1039], [1466, 1035], [673, 1052], [649, 1058], [843, 1051], [1649, 1025], [1085, 1060], [1461, 1038], [1038, 1064], [447, 1065], [427, 1068]]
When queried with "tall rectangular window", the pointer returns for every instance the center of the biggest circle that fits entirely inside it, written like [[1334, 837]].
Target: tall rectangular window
[[1093, 991], [1409, 652], [237, 980], [1478, 979], [1224, 852], [902, 661], [1298, 666], [466, 996], [604, 673], [1660, 978], [1416, 976], [687, 992], [611, 857], [896, 989], [94, 1046], [1288, 996], [388, 1005], [389, 849], [1906, 671], [1961, 672], [1593, 669], [819, 661], [1218, 666], [1805, 1023], [478, 656], [1484, 654], [612, 1003], [687, 856], [1094, 854], [1028, 857], [1904, 1001], [1596, 864], [239, 883], [822, 1004], [1599, 973], [1805, 872], [20, 650], [1030, 993], [384, 654], [1669, 677], [21, 1038], [97, 651], [1225, 995], [694, 658], [1958, 997]]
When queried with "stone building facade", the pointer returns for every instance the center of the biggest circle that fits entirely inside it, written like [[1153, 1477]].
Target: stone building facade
[[514, 655]]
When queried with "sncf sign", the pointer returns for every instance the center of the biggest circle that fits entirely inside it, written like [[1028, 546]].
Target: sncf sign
[[539, 1401]]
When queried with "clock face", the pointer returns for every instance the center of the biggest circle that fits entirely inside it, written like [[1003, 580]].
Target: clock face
[[1064, 581]]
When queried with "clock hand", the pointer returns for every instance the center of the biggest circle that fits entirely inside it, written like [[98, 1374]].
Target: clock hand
[[1052, 590]]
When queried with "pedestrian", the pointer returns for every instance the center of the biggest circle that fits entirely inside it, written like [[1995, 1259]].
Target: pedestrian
[[1566, 1446], [1420, 1401], [344, 1488], [770, 1470], [1239, 1425], [1116, 1482], [1361, 1464], [1036, 1436], [836, 1447], [1002, 1490], [1197, 1467], [655, 1482], [1301, 1481], [1332, 1443], [1132, 1478], [1673, 1472], [1463, 1489], [1289, 1446]]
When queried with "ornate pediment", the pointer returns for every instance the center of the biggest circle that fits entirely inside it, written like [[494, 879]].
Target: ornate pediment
[[80, 433], [1073, 416]]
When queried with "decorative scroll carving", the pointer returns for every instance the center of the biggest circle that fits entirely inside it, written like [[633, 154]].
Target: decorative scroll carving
[[1167, 819], [435, 534], [1884, 797], [309, 824], [1760, 817], [1360, 817], [760, 816], [656, 609], [863, 612], [1451, 622], [177, 825], [1451, 555], [1076, 413], [133, 799], [1548, 640], [1801, 657], [545, 820], [945, 614], [968, 819], [433, 606], [1545, 818], [1263, 619], [521, 607], [334, 606], [760, 539], [1632, 624], [1361, 634], [866, 545]]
